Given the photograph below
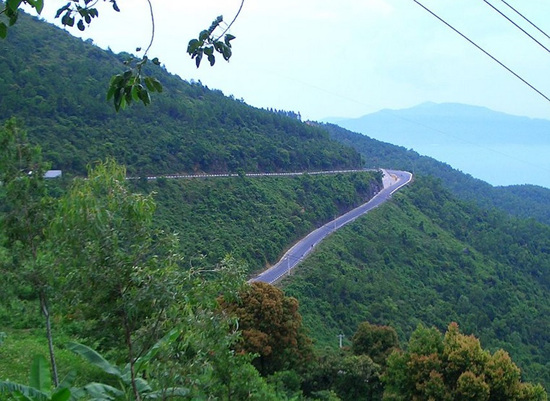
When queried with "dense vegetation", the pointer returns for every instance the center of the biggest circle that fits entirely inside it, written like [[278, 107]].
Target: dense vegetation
[[253, 218], [428, 258], [188, 128], [97, 260], [528, 201]]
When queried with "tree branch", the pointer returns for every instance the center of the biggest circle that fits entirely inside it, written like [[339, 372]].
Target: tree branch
[[232, 22]]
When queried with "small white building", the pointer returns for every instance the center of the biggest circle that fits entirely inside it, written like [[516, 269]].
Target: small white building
[[53, 174]]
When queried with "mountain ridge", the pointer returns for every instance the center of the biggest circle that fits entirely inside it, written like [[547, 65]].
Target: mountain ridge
[[496, 147]]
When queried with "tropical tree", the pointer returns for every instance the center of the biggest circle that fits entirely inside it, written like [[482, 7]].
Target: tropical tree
[[378, 342], [119, 273], [271, 327], [454, 367], [24, 215]]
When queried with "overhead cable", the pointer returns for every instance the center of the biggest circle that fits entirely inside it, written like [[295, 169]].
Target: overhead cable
[[526, 19], [483, 50], [516, 25]]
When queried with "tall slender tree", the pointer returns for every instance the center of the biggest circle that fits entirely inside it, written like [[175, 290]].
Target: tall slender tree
[[26, 211]]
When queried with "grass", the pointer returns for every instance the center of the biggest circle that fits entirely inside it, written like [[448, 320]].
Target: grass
[[19, 348]]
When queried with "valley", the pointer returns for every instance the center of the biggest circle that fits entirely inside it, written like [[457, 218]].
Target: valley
[[148, 272]]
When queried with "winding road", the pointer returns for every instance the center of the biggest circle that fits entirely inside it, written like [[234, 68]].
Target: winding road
[[393, 180]]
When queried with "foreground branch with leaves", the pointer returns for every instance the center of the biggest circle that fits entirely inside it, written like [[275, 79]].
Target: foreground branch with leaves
[[132, 85]]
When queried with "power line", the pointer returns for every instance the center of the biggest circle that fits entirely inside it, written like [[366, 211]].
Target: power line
[[516, 25], [483, 50], [526, 19]]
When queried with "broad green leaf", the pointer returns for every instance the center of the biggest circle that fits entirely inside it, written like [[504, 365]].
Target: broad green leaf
[[63, 394], [3, 30], [157, 85], [23, 397], [13, 4], [227, 53], [26, 391], [198, 57], [68, 380], [142, 386], [67, 19], [37, 4], [149, 83], [136, 92], [100, 391], [145, 97], [211, 59], [169, 338], [62, 10], [40, 377], [111, 92], [94, 358], [228, 38], [204, 35], [193, 45]]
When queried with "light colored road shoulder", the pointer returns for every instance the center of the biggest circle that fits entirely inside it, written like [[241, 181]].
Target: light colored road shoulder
[[388, 179]]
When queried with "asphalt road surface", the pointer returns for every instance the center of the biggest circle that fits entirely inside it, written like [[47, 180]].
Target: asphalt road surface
[[393, 181]]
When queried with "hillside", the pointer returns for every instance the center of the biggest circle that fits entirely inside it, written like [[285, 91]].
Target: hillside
[[428, 258], [423, 258], [187, 128], [499, 148], [528, 201], [254, 219]]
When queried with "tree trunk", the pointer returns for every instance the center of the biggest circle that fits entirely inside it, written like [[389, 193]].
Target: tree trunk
[[46, 313], [129, 344]]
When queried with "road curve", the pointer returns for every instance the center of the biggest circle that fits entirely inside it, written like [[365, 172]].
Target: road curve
[[393, 180]]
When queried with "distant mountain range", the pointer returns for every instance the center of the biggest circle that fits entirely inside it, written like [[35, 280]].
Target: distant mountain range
[[499, 148]]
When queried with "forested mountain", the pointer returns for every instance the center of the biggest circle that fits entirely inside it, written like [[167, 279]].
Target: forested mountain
[[152, 272], [253, 219], [528, 201], [430, 259], [57, 86]]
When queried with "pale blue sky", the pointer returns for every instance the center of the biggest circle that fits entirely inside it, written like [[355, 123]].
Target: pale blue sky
[[347, 57]]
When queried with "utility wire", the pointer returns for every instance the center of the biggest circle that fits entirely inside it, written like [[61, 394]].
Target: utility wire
[[516, 25], [483, 50], [526, 19]]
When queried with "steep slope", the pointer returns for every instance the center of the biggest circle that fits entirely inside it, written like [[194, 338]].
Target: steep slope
[[428, 258], [56, 84], [255, 219], [527, 201]]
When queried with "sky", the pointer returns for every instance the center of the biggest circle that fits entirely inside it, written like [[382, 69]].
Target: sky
[[345, 58]]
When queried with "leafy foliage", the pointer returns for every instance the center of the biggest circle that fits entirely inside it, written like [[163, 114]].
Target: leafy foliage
[[189, 128], [207, 44], [40, 385], [253, 219], [454, 367], [428, 258], [271, 328], [132, 85], [378, 342]]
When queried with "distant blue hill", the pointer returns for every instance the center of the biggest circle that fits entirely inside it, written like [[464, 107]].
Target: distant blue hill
[[499, 148]]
